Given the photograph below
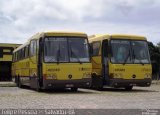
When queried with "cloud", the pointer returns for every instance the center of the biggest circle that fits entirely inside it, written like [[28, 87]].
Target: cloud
[[20, 19]]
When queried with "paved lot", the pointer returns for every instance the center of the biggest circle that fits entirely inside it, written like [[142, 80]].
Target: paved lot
[[139, 98]]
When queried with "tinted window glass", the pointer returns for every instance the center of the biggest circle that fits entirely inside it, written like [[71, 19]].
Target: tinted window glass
[[120, 51], [96, 47]]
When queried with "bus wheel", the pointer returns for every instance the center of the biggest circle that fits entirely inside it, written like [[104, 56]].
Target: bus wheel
[[38, 88], [74, 89], [128, 88], [19, 84], [16, 80], [100, 88]]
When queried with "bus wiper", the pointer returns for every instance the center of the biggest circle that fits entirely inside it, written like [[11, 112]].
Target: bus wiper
[[141, 62], [125, 61], [134, 56], [75, 56], [58, 54]]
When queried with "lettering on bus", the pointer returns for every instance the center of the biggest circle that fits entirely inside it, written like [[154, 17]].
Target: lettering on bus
[[146, 70], [53, 70], [120, 69]]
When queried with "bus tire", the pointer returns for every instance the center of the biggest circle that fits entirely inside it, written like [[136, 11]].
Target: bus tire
[[74, 89], [97, 82], [128, 88], [19, 84], [16, 81], [38, 88], [100, 88]]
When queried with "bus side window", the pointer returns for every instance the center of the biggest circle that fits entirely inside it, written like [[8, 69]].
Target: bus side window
[[13, 57], [1, 52], [18, 56], [23, 53], [37, 46], [96, 48], [26, 51], [91, 49], [33, 47]]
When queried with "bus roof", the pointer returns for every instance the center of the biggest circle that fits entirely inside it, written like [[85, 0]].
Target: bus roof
[[21, 46], [9, 45], [51, 33], [125, 36], [115, 36], [58, 33]]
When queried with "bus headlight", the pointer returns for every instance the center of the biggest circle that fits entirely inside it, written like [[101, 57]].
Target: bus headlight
[[116, 75], [87, 75], [147, 76]]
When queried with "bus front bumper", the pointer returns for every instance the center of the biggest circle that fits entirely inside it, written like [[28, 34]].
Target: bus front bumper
[[83, 83], [132, 82]]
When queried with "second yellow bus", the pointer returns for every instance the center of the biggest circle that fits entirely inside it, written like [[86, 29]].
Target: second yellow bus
[[120, 61]]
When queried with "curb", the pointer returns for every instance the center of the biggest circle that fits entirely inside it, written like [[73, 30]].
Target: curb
[[156, 82], [7, 84]]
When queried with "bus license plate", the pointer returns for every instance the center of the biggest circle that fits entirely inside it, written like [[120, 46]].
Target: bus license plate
[[69, 85], [132, 84]]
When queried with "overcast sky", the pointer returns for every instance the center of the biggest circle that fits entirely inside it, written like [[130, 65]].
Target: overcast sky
[[20, 19]]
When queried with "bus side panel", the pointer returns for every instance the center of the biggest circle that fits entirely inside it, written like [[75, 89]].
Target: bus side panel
[[33, 77], [24, 72], [97, 65], [97, 77]]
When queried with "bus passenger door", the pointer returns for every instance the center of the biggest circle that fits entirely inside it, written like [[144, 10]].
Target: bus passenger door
[[33, 77], [105, 65]]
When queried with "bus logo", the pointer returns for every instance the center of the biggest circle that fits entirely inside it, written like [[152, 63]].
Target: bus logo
[[70, 76]]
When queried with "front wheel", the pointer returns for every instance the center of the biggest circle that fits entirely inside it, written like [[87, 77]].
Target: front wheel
[[19, 84], [128, 88], [74, 89], [38, 88]]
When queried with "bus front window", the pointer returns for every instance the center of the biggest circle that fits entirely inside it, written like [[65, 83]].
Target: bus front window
[[120, 51], [129, 51], [66, 49], [55, 50], [140, 52], [79, 51]]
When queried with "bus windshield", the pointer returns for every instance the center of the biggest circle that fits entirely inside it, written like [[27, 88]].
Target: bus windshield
[[129, 51], [140, 52], [66, 49]]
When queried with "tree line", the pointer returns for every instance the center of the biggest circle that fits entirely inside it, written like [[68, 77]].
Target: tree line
[[155, 59]]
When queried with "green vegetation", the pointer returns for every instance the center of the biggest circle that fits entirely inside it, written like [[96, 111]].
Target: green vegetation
[[155, 58]]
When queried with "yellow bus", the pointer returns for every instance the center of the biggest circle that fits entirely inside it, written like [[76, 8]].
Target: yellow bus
[[120, 61], [6, 50], [53, 60]]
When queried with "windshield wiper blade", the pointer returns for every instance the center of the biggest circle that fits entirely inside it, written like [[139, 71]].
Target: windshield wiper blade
[[125, 61], [58, 54], [134, 56], [141, 62], [76, 56]]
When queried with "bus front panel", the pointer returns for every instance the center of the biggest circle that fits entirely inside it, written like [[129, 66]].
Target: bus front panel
[[67, 75]]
